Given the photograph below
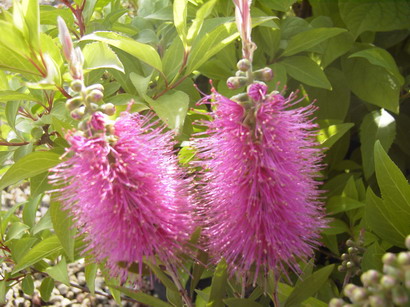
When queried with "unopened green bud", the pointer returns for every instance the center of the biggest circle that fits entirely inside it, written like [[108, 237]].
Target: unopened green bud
[[244, 65], [73, 103], [93, 107], [403, 258], [407, 279], [377, 301], [234, 83], [391, 270], [345, 256], [350, 243], [336, 302], [341, 268], [389, 258], [370, 277], [264, 74], [240, 97], [108, 108], [349, 264], [77, 113], [399, 296], [348, 290], [95, 96], [77, 85], [388, 282], [352, 250], [358, 295], [96, 86], [240, 73]]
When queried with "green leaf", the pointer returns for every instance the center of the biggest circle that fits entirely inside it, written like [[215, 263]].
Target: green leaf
[[197, 23], [332, 104], [168, 283], [310, 38], [43, 224], [336, 47], [241, 302], [375, 15], [395, 190], [3, 291], [30, 209], [20, 247], [218, 286], [180, 9], [372, 83], [38, 252], [142, 297], [372, 258], [16, 231], [7, 96], [99, 55], [172, 109], [63, 227], [336, 227], [143, 52], [31, 12], [331, 133], [46, 288], [378, 219], [12, 61], [380, 57], [278, 5], [309, 286], [90, 275], [215, 41], [337, 204], [31, 165], [28, 285], [39, 184], [377, 125], [305, 70], [59, 272]]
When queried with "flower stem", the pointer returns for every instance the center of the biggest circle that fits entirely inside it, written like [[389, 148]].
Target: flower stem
[[181, 289]]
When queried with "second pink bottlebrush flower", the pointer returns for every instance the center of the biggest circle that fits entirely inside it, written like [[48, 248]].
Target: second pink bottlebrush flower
[[261, 207], [126, 193]]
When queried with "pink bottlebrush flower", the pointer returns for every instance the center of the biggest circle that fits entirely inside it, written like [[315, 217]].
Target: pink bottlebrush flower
[[126, 194], [262, 207]]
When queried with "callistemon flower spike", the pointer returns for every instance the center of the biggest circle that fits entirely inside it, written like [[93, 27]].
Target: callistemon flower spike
[[260, 161], [122, 185]]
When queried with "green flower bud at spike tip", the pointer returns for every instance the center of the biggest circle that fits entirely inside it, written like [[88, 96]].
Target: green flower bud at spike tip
[[73, 103], [403, 258], [389, 258], [388, 282], [350, 243], [76, 85], [108, 109], [96, 86], [358, 295], [95, 96], [264, 74], [244, 65], [400, 296], [77, 113], [377, 301], [65, 38], [234, 83], [336, 302]]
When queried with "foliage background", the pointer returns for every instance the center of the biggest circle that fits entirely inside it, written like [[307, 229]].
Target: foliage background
[[352, 57]]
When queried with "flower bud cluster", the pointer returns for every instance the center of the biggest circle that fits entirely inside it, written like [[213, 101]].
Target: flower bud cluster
[[352, 259], [245, 76], [390, 288]]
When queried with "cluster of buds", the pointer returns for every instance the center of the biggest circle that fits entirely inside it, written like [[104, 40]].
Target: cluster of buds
[[245, 76], [390, 288], [352, 259]]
